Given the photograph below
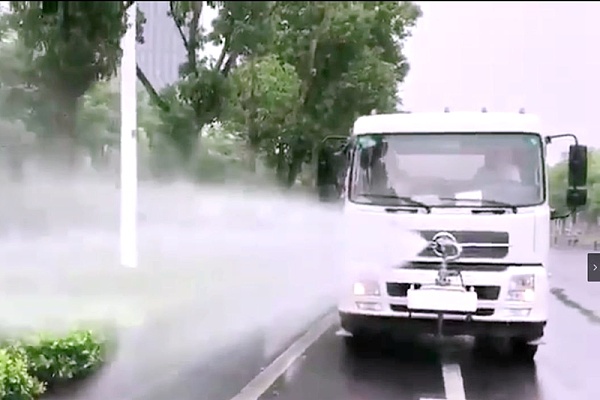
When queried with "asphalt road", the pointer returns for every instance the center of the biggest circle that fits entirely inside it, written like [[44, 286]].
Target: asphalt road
[[566, 365]]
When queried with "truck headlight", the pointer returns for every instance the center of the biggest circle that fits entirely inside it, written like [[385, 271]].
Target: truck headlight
[[521, 288], [366, 288]]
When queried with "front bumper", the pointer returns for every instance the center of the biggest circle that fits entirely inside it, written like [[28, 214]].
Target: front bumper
[[394, 326], [493, 305]]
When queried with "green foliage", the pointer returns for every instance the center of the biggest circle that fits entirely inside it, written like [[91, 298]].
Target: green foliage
[[199, 98], [263, 105], [15, 381], [557, 181], [325, 64], [61, 56], [348, 56], [29, 367], [72, 49], [56, 360], [288, 74], [178, 124], [98, 122], [222, 158], [17, 98]]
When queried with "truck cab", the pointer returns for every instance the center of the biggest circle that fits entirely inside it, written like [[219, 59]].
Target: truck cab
[[474, 186]]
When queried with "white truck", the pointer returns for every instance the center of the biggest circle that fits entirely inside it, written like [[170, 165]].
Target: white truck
[[475, 187]]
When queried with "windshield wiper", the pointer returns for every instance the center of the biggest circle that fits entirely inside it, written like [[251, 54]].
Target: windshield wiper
[[406, 199], [489, 202]]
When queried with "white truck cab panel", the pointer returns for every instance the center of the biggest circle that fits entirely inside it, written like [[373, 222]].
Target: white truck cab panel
[[495, 284], [488, 269]]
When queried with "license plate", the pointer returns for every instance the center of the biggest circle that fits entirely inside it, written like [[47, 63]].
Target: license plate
[[440, 298]]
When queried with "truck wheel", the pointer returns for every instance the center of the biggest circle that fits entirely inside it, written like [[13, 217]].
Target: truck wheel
[[522, 351]]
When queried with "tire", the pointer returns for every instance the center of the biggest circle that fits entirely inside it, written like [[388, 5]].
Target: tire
[[522, 351]]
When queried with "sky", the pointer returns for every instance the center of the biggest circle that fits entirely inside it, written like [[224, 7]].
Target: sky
[[508, 55]]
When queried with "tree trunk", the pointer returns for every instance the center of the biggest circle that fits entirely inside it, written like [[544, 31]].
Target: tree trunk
[[64, 132], [253, 143], [190, 153], [281, 167], [251, 155], [294, 167]]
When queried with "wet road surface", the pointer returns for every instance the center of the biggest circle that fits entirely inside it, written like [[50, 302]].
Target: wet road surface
[[567, 365], [414, 371]]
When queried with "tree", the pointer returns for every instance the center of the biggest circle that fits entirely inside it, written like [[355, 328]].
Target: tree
[[348, 59], [289, 73], [98, 124], [15, 94], [16, 102], [198, 98], [67, 51], [97, 119], [262, 108]]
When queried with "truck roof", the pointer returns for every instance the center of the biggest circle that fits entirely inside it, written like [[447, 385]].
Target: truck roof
[[446, 122]]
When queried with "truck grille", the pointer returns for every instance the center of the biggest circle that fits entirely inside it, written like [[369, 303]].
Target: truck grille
[[481, 312], [476, 244], [483, 292]]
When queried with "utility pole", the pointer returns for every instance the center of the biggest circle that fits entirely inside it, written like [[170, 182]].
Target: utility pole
[[129, 175]]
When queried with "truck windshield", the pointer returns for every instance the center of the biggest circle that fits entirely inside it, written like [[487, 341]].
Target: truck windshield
[[448, 170]]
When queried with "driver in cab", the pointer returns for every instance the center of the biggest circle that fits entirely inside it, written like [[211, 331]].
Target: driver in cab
[[499, 166], [389, 179]]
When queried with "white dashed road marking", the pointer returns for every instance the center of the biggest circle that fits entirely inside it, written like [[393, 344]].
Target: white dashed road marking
[[453, 382], [263, 381], [451, 373]]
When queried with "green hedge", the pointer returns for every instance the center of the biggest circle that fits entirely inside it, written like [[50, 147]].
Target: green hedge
[[30, 367], [15, 380]]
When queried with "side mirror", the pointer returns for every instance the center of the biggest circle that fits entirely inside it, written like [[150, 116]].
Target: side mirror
[[331, 160], [576, 197], [555, 215], [578, 166]]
